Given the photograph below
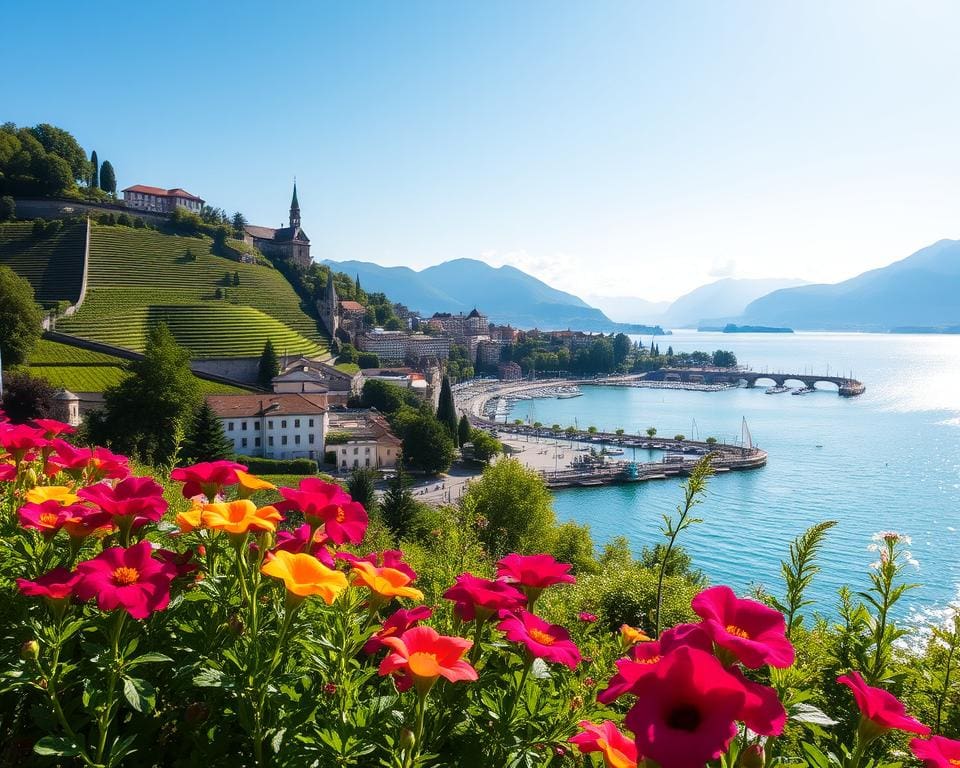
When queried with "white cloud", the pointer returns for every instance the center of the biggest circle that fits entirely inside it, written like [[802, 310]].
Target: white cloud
[[558, 270], [722, 267]]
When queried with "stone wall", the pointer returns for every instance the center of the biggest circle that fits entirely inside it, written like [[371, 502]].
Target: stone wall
[[31, 208]]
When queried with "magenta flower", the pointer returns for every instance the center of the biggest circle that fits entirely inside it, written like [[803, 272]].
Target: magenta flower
[[391, 558], [880, 708], [208, 478], [542, 639], [56, 585], [396, 624], [344, 521], [936, 752], [133, 498], [762, 711], [52, 427], [49, 516], [311, 497], [645, 656], [19, 439], [476, 598], [98, 462], [533, 573], [299, 540], [686, 710], [587, 618], [131, 579], [183, 562], [750, 631], [618, 750]]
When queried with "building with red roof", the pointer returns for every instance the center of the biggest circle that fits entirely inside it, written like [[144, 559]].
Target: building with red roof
[[159, 200]]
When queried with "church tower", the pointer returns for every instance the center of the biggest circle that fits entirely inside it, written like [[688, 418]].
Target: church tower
[[294, 210]]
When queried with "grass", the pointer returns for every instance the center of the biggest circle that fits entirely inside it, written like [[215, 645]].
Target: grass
[[348, 367], [52, 263], [140, 277], [83, 370]]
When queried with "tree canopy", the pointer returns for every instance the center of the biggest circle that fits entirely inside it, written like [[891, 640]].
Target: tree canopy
[[20, 318], [205, 439]]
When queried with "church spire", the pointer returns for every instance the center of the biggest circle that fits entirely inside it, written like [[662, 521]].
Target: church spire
[[294, 209]]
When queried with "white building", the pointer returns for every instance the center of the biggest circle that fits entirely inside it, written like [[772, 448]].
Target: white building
[[159, 200], [362, 439], [279, 426]]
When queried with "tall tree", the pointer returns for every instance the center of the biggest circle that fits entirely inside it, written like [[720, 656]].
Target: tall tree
[[269, 365], [205, 439], [95, 170], [621, 348], [108, 179], [148, 413], [427, 444], [463, 430], [61, 143], [361, 489], [26, 397], [239, 222], [8, 208], [398, 505], [20, 318], [447, 409]]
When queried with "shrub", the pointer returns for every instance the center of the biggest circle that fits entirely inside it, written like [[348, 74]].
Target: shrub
[[259, 465]]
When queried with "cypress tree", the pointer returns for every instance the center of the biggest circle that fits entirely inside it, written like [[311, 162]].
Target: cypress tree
[[95, 172], [205, 439], [447, 410], [108, 179], [398, 505], [269, 365], [360, 487], [463, 430]]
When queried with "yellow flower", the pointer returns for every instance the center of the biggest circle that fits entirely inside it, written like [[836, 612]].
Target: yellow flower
[[60, 493], [191, 519], [386, 582], [250, 484], [304, 575], [631, 635], [240, 517]]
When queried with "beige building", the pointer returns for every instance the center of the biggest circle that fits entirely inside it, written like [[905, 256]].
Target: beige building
[[290, 243], [158, 200], [280, 426], [306, 376], [361, 439]]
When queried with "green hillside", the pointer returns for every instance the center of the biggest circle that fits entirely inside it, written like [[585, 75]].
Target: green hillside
[[53, 263], [139, 277], [83, 370]]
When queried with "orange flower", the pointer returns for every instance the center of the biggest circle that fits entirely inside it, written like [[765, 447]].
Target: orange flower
[[631, 635], [240, 516], [60, 493], [385, 582], [304, 575], [422, 655], [190, 520], [250, 484]]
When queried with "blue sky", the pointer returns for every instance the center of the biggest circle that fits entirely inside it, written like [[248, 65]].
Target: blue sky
[[622, 149]]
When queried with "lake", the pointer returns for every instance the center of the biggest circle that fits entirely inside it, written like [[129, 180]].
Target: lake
[[886, 460]]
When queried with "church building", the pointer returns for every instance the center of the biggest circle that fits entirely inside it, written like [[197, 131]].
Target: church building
[[290, 243]]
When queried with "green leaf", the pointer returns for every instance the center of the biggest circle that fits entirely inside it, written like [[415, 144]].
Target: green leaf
[[139, 694], [815, 757], [807, 713], [209, 678], [57, 746], [149, 658]]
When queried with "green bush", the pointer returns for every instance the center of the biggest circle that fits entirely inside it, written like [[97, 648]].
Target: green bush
[[258, 465]]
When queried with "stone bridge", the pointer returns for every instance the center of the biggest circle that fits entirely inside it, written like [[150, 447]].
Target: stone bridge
[[846, 386]]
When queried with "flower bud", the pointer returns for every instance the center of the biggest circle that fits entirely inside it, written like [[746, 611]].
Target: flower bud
[[30, 650], [330, 689], [30, 478], [235, 623], [752, 757], [201, 551], [407, 740]]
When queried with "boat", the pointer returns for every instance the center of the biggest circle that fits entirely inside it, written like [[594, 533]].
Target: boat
[[614, 451], [803, 391], [568, 395], [777, 390]]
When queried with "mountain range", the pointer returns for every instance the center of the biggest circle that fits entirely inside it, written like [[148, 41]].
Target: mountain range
[[505, 294], [921, 290]]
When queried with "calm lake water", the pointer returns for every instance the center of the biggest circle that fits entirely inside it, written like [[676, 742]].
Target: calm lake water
[[890, 460]]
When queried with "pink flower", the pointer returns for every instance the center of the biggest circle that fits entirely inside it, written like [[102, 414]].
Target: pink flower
[[533, 573], [686, 710], [425, 655], [587, 618], [131, 579], [208, 478], [541, 639], [52, 427], [135, 497], [86, 521], [99, 462], [618, 750], [644, 657], [18, 439], [8, 473], [482, 598], [297, 541], [396, 624], [881, 708], [182, 562], [312, 496], [49, 516], [752, 632], [936, 752], [344, 521], [391, 558], [762, 711], [55, 585]]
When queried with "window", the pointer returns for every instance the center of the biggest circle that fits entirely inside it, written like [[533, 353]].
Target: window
[[368, 462], [270, 424], [270, 441], [283, 440], [356, 451], [243, 426], [296, 439], [366, 451], [310, 438], [311, 422], [243, 443], [283, 424], [296, 423], [229, 426], [256, 442], [388, 451], [256, 425]]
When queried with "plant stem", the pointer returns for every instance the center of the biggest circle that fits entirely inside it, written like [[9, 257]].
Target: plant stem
[[106, 716]]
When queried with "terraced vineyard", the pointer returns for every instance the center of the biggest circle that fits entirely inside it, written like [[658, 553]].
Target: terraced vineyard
[[83, 370], [140, 277], [52, 263]]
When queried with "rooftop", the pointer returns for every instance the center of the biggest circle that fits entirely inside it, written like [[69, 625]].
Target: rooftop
[[160, 192], [248, 406]]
